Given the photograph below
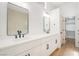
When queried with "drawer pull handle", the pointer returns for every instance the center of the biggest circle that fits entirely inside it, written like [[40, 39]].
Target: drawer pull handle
[[28, 54], [56, 41], [47, 46], [25, 55]]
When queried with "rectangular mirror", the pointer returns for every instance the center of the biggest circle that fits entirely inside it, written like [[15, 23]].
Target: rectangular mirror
[[17, 19]]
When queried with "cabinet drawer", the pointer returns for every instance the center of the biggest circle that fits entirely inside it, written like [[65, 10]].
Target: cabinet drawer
[[32, 52], [13, 50], [44, 50], [24, 53], [54, 42], [57, 41]]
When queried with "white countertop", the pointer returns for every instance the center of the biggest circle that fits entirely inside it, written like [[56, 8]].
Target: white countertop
[[7, 42]]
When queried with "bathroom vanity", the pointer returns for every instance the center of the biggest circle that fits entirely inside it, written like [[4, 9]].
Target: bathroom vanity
[[37, 45]]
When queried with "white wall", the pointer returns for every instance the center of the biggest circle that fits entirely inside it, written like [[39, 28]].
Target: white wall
[[3, 17], [35, 19], [68, 9], [77, 9]]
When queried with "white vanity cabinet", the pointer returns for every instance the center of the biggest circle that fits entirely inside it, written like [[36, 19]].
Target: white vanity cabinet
[[33, 48], [52, 43]]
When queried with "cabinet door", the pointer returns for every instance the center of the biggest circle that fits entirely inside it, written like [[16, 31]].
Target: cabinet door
[[62, 28], [50, 49], [54, 21], [53, 44], [62, 37], [46, 48], [24, 53]]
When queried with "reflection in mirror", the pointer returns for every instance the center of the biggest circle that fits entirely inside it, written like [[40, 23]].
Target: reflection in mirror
[[17, 20], [46, 23]]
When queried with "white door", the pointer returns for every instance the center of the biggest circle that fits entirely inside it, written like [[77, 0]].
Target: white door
[[55, 21]]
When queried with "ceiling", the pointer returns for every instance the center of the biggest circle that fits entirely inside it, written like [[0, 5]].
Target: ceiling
[[53, 5]]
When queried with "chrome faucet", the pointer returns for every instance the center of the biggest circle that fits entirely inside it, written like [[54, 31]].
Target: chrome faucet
[[19, 33]]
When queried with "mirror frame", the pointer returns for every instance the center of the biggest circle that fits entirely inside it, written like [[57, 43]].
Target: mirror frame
[[27, 18], [44, 24]]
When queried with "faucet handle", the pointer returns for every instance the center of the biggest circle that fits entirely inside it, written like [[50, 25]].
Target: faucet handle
[[15, 36], [22, 35], [20, 31]]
